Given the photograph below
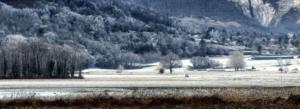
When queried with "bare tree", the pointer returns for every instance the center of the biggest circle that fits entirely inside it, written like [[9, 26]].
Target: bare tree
[[237, 60], [171, 61], [3, 62], [81, 58]]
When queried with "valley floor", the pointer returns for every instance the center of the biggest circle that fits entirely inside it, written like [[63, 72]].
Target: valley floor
[[265, 75], [94, 83], [147, 82], [195, 79]]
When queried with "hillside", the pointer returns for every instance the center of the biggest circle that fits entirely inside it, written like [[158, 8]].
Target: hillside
[[273, 15], [116, 32], [104, 27]]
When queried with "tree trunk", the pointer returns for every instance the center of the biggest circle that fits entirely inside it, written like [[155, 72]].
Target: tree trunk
[[171, 69], [80, 72], [5, 68]]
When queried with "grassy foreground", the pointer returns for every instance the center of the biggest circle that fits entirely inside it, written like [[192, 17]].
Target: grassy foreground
[[293, 102], [236, 99]]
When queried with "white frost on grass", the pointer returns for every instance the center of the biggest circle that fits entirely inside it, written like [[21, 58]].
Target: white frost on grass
[[267, 75], [201, 79], [263, 66]]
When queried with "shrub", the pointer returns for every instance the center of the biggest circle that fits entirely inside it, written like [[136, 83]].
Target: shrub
[[161, 71], [280, 69], [130, 60], [151, 57], [294, 70], [203, 63]]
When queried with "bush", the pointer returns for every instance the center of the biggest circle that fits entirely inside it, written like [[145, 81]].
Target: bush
[[161, 71], [280, 69], [203, 63], [131, 60], [151, 57], [294, 70]]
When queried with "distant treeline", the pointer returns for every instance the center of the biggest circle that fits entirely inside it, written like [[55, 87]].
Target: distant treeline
[[33, 58]]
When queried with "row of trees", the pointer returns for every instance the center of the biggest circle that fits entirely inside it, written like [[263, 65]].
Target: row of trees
[[171, 61], [33, 58]]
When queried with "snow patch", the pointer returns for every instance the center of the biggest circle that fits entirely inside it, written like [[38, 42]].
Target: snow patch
[[6, 7], [264, 12], [197, 24], [15, 38]]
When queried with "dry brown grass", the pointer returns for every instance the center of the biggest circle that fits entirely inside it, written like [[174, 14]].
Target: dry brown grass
[[192, 102]]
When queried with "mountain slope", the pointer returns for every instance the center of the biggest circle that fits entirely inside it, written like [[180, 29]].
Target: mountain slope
[[109, 30], [270, 14], [118, 32]]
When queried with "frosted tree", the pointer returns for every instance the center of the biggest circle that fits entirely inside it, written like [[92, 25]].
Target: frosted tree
[[257, 44], [39, 59], [203, 63], [130, 60], [171, 61], [237, 60]]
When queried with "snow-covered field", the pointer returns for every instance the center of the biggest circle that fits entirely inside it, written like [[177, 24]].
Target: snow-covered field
[[266, 75], [262, 66]]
